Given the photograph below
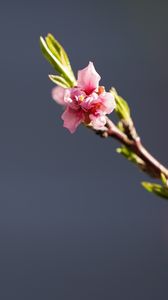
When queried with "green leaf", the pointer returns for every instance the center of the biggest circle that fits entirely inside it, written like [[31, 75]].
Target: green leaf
[[155, 188], [120, 126], [59, 80], [131, 156], [56, 63], [122, 108], [58, 50], [55, 51], [50, 56], [164, 180]]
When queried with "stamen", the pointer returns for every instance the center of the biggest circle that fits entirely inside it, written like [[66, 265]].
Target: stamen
[[81, 98], [101, 90]]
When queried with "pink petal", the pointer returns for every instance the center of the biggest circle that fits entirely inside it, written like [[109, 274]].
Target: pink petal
[[88, 78], [98, 122], [108, 102], [71, 97], [90, 101], [72, 119], [58, 95]]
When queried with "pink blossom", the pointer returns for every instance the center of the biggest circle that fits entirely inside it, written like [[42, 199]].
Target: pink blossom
[[85, 103]]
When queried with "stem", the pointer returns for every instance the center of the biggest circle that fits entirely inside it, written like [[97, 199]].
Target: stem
[[151, 166]]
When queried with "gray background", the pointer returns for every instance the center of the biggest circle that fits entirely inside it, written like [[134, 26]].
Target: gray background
[[74, 220]]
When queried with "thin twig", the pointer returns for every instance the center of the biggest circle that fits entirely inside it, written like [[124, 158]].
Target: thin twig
[[151, 165]]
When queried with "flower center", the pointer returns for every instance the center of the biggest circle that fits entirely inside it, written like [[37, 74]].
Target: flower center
[[81, 98]]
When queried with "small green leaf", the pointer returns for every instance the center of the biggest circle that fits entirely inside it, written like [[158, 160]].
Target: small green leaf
[[122, 109], [59, 80], [155, 188], [164, 180], [120, 126], [55, 51], [50, 56], [56, 47], [56, 63], [147, 186], [130, 155]]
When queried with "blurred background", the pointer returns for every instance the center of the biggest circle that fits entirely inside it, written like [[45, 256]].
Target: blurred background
[[74, 220]]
